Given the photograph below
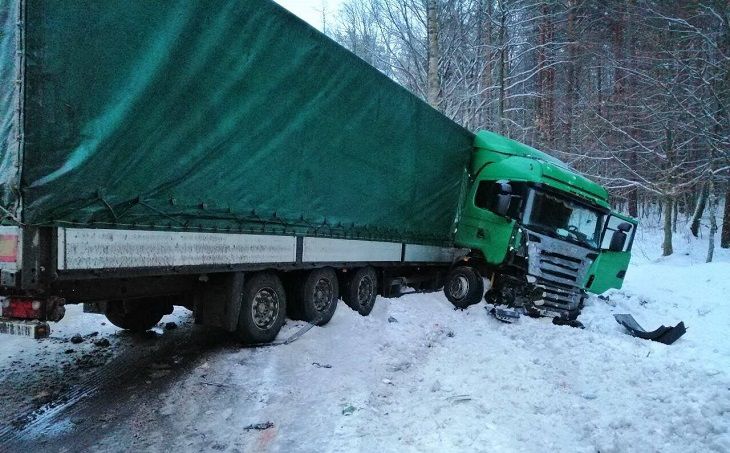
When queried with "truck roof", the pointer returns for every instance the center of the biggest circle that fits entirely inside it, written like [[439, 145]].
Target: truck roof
[[550, 170]]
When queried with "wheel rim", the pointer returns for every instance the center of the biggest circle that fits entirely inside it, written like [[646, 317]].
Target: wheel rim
[[265, 308], [459, 287], [365, 291], [322, 297]]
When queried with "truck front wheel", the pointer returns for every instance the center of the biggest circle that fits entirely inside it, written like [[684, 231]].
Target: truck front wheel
[[318, 295], [464, 287], [263, 308], [361, 290], [137, 315]]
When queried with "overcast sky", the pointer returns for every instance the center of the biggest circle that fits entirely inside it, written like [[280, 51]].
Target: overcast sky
[[311, 10]]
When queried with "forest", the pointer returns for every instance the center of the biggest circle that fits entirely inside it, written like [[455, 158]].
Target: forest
[[632, 93]]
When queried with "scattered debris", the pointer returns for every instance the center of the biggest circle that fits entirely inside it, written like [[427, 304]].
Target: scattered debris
[[171, 326], [455, 399], [102, 343], [294, 337], [149, 335], [663, 334], [568, 322], [77, 339], [450, 334], [87, 361], [319, 365], [508, 315], [392, 319], [260, 426]]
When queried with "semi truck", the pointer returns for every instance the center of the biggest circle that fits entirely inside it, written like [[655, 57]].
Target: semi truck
[[229, 158]]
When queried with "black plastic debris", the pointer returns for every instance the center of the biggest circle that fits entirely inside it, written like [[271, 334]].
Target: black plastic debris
[[664, 334]]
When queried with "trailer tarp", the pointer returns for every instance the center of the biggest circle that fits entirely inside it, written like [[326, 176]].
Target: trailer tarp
[[225, 115], [10, 133]]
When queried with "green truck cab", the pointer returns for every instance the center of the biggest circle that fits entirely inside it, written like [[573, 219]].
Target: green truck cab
[[544, 234]]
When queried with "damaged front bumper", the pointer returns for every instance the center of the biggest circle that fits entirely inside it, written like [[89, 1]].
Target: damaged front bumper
[[552, 282]]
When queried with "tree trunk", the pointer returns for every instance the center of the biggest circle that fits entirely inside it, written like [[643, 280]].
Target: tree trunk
[[485, 42], [725, 237], [434, 54], [712, 211], [545, 79], [667, 245], [502, 68], [634, 200], [699, 211], [571, 89]]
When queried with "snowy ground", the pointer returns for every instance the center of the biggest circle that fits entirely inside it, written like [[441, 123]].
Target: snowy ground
[[414, 376]]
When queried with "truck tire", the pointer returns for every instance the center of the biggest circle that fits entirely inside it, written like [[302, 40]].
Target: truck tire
[[137, 316], [464, 287], [318, 295], [361, 290], [263, 308]]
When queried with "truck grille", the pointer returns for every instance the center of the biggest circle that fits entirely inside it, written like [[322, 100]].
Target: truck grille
[[560, 269]]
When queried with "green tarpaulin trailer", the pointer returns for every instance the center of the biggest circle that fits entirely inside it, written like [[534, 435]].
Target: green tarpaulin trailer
[[214, 116], [221, 155]]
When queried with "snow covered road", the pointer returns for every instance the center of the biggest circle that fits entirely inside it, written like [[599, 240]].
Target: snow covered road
[[414, 376]]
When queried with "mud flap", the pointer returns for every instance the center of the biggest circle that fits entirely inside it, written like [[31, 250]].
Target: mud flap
[[663, 334]]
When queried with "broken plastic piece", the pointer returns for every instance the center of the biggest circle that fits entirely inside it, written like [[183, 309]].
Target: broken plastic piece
[[663, 334], [507, 315]]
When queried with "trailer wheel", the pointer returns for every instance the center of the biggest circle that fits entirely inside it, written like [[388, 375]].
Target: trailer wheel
[[318, 295], [361, 290], [464, 287], [137, 316], [263, 308]]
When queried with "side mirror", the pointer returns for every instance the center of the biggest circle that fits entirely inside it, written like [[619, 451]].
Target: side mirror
[[502, 204], [618, 241], [503, 200]]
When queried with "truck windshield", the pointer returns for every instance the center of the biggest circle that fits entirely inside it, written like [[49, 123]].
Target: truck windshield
[[563, 218]]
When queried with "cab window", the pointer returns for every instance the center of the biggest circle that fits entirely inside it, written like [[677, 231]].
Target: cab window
[[612, 228]]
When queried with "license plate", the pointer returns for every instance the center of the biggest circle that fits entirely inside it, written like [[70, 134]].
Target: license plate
[[33, 329]]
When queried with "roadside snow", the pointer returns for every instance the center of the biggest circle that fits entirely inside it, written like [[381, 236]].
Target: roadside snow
[[419, 376]]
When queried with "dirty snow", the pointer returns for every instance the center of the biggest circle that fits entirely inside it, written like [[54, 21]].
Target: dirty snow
[[414, 376]]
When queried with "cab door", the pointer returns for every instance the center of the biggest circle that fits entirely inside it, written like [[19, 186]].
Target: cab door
[[482, 229], [609, 269]]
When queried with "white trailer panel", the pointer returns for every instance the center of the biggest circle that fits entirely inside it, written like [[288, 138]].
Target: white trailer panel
[[80, 249], [322, 250]]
